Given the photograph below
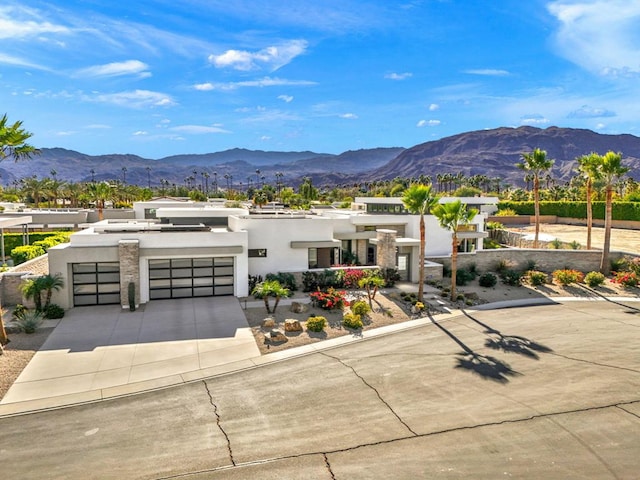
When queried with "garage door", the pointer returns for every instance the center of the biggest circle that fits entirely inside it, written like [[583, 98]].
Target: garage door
[[96, 283], [190, 277]]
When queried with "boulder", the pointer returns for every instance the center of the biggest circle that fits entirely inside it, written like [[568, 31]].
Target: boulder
[[268, 322], [297, 307], [292, 325], [276, 336], [12, 327]]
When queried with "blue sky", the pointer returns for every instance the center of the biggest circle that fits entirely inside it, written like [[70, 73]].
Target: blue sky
[[162, 77]]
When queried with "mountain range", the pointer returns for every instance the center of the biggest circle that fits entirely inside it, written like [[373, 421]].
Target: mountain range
[[493, 153]]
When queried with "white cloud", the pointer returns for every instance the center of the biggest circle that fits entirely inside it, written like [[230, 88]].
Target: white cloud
[[66, 133], [349, 116], [600, 126], [136, 99], [589, 112], [129, 67], [14, 24], [599, 35], [488, 72], [270, 58], [398, 76], [265, 138], [199, 129], [19, 62], [140, 133], [263, 82], [428, 123], [285, 98], [433, 107], [535, 119]]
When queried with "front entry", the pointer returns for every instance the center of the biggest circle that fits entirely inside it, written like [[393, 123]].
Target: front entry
[[403, 263]]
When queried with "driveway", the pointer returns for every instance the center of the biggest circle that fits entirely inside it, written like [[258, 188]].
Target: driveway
[[535, 392], [99, 352]]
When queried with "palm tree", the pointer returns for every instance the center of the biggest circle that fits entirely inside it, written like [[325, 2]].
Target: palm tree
[[35, 188], [419, 200], [588, 167], [49, 283], [610, 169], [100, 193], [451, 216], [536, 162], [270, 288], [13, 140]]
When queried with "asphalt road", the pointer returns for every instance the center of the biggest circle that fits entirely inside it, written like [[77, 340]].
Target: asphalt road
[[547, 392]]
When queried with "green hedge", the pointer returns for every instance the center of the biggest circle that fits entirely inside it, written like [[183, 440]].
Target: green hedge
[[27, 252], [13, 240], [621, 210]]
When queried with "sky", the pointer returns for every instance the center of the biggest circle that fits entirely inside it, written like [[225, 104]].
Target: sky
[[164, 77]]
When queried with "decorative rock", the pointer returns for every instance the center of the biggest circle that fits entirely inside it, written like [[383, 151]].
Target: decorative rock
[[292, 325], [268, 323], [12, 327], [472, 296], [297, 307], [276, 336]]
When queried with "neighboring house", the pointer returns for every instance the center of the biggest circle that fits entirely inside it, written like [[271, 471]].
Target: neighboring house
[[192, 249]]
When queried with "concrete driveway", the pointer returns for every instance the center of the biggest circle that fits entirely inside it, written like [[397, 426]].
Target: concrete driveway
[[103, 351], [547, 392]]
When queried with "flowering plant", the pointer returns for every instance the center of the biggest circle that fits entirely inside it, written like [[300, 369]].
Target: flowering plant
[[419, 306], [352, 276], [567, 276], [332, 299], [626, 279]]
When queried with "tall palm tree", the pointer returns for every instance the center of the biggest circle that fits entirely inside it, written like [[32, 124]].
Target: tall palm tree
[[13, 140], [610, 168], [588, 168], [100, 192], [419, 200], [451, 216], [536, 163], [49, 283]]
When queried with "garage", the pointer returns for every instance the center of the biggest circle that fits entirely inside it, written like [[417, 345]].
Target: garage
[[96, 283], [190, 277]]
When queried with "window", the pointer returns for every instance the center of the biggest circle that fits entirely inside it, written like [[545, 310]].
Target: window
[[313, 258], [257, 252]]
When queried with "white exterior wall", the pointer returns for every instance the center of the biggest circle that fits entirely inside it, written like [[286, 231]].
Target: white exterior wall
[[276, 234]]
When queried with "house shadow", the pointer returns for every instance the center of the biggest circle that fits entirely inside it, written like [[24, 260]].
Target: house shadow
[[486, 366], [597, 293]]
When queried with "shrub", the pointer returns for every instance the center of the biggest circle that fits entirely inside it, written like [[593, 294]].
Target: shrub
[[332, 299], [494, 226], [510, 277], [535, 277], [567, 276], [391, 276], [530, 265], [490, 244], [18, 311], [555, 244], [287, 280], [488, 280], [503, 265], [619, 264], [25, 253], [594, 279], [30, 321], [53, 311], [464, 276], [506, 212], [575, 245], [353, 321], [316, 324], [320, 280], [360, 308], [352, 276], [626, 279]]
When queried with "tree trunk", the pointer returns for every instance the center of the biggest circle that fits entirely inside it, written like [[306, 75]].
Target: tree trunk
[[276, 304], [454, 265], [589, 214], [266, 303], [421, 260], [536, 201], [605, 267], [3, 334]]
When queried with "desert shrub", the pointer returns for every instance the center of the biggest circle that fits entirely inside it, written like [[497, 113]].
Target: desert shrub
[[316, 324], [460, 297], [535, 277], [503, 265], [18, 311], [488, 280], [530, 265], [632, 264], [446, 271], [287, 280], [30, 321], [510, 277], [464, 276], [320, 280], [353, 321], [25, 253], [53, 311], [555, 244], [360, 307], [619, 264], [332, 299], [575, 245], [391, 276], [490, 244], [506, 212], [567, 276], [494, 226], [626, 279], [594, 279]]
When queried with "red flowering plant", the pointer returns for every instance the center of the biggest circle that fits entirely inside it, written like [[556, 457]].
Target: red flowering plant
[[332, 299], [626, 279], [352, 276]]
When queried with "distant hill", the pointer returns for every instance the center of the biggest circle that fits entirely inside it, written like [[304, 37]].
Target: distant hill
[[495, 152], [488, 152]]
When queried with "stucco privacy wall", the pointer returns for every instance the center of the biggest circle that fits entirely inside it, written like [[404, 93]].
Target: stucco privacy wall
[[11, 281]]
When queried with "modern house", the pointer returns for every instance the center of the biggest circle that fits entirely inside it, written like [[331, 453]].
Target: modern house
[[184, 249]]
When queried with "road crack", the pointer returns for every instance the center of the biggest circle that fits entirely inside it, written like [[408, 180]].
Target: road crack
[[215, 411], [374, 389], [326, 462]]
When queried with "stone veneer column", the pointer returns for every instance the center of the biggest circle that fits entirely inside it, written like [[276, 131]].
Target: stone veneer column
[[386, 248], [129, 255]]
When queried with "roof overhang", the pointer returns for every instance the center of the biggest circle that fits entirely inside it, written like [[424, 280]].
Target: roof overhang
[[316, 244]]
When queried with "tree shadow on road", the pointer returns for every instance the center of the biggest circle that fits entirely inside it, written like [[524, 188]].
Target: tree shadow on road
[[486, 366], [509, 343]]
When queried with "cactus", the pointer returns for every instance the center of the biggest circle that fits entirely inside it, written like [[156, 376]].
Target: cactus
[[132, 296]]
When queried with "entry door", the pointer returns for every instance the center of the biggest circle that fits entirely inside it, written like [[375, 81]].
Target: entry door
[[403, 263]]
